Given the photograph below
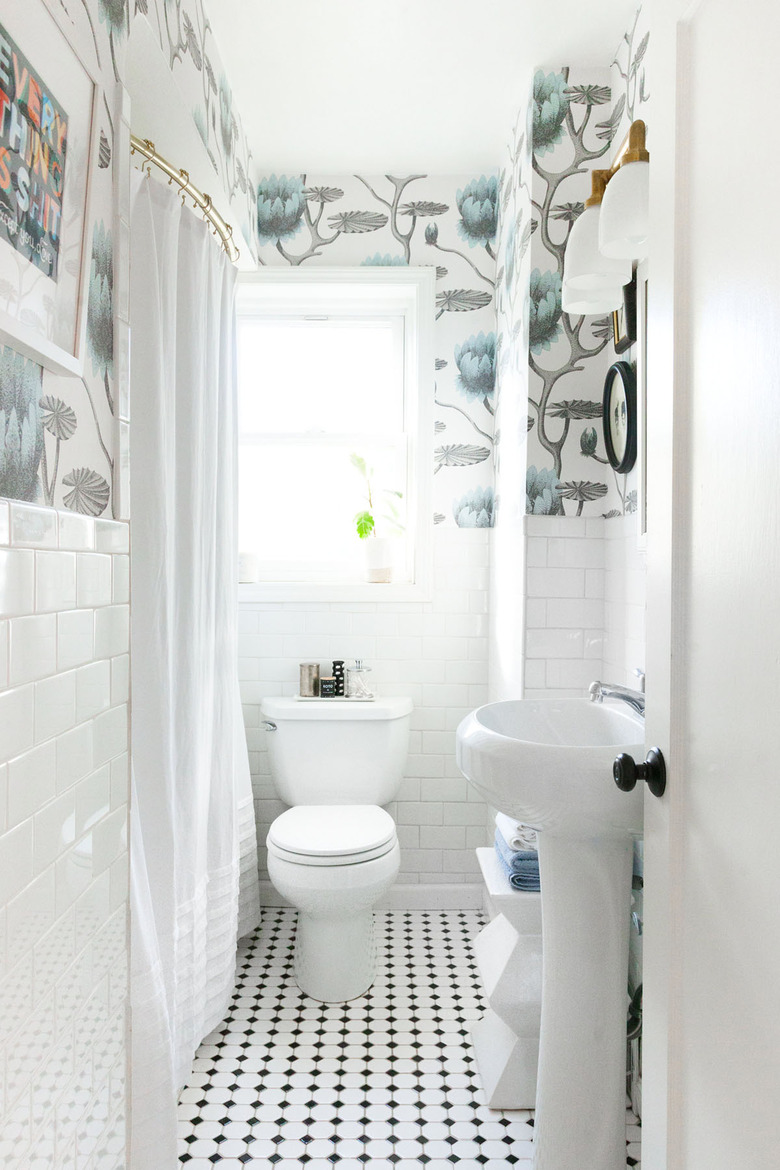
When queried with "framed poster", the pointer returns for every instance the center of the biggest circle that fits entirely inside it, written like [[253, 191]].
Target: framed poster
[[48, 107]]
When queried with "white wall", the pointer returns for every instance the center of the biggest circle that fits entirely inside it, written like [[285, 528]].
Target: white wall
[[64, 591], [625, 587], [435, 652]]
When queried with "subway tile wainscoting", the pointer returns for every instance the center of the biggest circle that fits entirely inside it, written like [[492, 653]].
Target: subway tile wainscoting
[[585, 604], [64, 593], [436, 653]]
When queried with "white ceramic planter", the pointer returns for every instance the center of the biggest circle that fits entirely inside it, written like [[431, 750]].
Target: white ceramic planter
[[380, 558]]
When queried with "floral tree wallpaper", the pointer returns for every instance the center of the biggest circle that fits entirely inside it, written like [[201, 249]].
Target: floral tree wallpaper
[[568, 356], [187, 40], [518, 385], [517, 225], [451, 223], [57, 433], [575, 119]]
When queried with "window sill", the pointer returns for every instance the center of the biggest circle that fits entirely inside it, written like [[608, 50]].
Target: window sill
[[359, 592]]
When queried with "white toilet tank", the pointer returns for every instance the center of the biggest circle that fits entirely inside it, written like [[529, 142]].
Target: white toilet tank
[[329, 752]]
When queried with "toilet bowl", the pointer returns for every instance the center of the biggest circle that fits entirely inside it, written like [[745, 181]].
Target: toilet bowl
[[334, 863], [335, 852]]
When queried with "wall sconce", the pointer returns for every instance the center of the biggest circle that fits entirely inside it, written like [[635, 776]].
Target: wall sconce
[[624, 223], [583, 304], [586, 270], [611, 232]]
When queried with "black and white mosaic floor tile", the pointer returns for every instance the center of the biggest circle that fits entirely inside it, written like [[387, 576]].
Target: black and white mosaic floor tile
[[388, 1079]]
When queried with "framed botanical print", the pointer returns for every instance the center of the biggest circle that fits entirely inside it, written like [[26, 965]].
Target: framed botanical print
[[48, 124]]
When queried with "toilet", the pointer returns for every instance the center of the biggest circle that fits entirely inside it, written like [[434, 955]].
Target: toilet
[[334, 852]]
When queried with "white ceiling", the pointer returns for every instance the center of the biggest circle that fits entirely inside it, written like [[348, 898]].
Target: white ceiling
[[338, 86]]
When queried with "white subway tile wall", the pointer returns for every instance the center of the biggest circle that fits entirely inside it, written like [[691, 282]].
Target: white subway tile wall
[[435, 652], [63, 838], [585, 605], [564, 637]]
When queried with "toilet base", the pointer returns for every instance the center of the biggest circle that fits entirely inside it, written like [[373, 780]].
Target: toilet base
[[335, 958]]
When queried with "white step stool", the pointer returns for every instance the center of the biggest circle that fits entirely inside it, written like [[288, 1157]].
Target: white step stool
[[509, 958]]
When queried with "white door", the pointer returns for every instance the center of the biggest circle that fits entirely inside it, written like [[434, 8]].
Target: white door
[[712, 899]]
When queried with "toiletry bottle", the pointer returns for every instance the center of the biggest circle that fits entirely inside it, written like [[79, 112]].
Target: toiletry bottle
[[310, 680], [357, 681]]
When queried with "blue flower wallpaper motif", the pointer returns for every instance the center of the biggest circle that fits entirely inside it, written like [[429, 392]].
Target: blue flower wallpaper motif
[[21, 426], [100, 307], [543, 492], [280, 207], [476, 360], [545, 310], [475, 509], [386, 261], [478, 207], [393, 221], [550, 107]]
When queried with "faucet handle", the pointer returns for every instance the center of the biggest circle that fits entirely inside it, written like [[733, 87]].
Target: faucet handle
[[640, 674]]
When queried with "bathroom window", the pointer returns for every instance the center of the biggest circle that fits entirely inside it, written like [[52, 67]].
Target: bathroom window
[[333, 366]]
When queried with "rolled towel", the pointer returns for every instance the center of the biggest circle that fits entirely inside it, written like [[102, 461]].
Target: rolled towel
[[517, 836], [521, 866]]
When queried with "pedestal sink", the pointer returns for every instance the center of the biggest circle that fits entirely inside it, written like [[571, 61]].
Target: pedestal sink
[[549, 764]]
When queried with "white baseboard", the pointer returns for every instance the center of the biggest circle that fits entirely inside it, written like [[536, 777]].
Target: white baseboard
[[462, 896]]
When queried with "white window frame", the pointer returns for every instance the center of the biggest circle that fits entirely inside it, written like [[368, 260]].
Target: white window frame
[[411, 293]]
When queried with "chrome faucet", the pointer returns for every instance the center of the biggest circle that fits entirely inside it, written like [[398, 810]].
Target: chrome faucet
[[600, 691]]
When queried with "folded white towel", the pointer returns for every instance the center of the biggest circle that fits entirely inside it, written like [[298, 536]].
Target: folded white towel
[[516, 836]]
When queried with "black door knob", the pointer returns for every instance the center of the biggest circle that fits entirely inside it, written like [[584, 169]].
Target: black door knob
[[626, 772]]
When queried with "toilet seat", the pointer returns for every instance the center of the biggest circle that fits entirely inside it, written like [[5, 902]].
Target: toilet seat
[[331, 835]]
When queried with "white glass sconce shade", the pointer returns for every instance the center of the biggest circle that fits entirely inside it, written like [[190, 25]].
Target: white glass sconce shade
[[584, 266], [624, 222], [583, 303]]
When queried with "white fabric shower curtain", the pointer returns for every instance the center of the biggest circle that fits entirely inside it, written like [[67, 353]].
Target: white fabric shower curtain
[[193, 844]]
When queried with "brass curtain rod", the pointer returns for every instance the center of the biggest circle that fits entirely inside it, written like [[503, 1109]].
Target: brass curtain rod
[[202, 201]]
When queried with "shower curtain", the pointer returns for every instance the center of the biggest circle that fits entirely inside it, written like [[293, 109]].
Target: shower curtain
[[194, 884]]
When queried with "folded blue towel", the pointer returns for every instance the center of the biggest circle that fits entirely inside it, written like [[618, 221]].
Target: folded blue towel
[[522, 866]]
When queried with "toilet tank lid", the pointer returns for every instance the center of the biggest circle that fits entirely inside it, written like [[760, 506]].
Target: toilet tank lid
[[319, 709]]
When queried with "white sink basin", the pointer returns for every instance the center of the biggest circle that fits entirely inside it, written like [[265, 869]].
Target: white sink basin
[[548, 762]]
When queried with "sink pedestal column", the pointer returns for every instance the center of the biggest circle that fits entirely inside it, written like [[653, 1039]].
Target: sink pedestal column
[[581, 1093]]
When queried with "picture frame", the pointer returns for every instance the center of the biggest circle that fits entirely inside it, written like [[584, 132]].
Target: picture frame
[[619, 416], [48, 142], [624, 320]]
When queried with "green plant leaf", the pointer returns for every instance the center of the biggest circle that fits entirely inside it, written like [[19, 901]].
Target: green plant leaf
[[359, 463], [364, 522]]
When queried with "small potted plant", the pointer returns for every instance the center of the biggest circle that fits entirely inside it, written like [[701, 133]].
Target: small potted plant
[[379, 533]]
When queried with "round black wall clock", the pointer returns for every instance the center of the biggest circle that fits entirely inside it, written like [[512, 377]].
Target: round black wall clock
[[619, 416]]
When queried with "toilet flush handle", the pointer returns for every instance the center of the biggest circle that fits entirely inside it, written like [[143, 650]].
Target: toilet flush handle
[[268, 725]]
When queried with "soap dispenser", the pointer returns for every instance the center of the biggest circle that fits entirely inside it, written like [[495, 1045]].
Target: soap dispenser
[[357, 681]]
